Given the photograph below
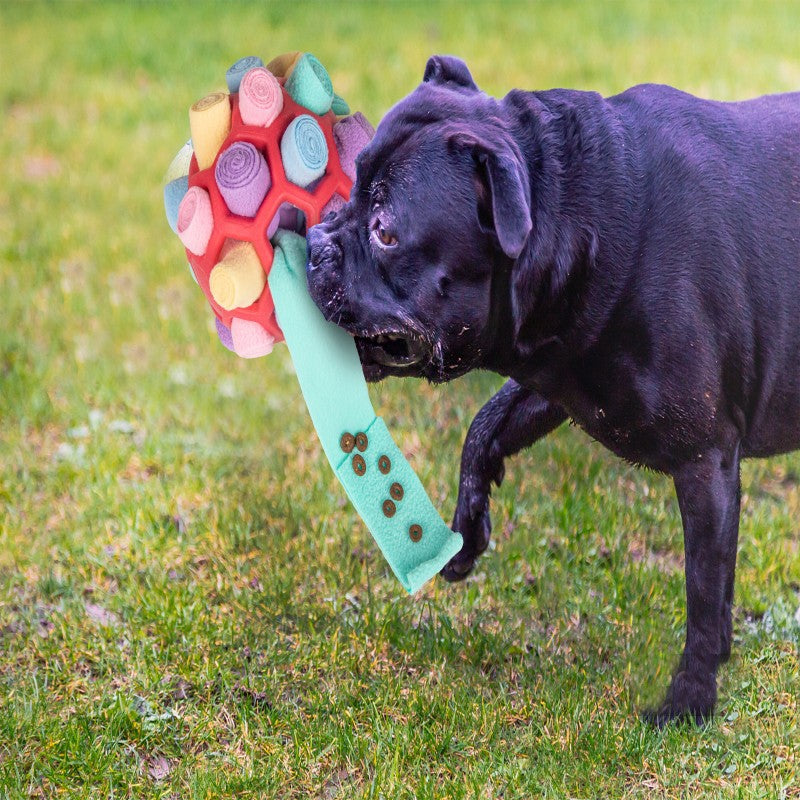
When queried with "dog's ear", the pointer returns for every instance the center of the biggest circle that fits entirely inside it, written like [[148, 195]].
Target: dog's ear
[[448, 69], [504, 196]]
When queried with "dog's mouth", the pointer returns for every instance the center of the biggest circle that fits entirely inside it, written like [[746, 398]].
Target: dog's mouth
[[389, 352]]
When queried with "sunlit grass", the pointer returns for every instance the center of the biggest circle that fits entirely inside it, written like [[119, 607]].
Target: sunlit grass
[[188, 607]]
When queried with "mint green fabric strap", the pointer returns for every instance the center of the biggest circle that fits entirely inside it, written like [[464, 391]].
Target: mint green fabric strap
[[324, 356], [415, 541], [377, 478]]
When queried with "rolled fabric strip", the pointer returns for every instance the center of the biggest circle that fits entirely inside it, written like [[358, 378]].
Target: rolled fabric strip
[[179, 166], [273, 225], [304, 151], [250, 340], [195, 220], [282, 65], [260, 97], [333, 205], [174, 192], [243, 178], [288, 218], [224, 333], [352, 134], [339, 106], [310, 85], [191, 272], [238, 280], [292, 218], [210, 123], [235, 73]]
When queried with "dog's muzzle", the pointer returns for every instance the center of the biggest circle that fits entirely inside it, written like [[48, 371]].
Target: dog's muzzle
[[323, 269]]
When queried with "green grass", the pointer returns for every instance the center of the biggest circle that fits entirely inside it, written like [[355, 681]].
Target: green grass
[[188, 608]]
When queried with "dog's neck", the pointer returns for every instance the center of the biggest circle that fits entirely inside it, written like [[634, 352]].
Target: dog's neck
[[576, 152]]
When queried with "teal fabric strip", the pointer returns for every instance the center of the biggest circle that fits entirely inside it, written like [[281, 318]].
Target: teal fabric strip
[[409, 532], [339, 106], [413, 562], [310, 85], [324, 356], [304, 151]]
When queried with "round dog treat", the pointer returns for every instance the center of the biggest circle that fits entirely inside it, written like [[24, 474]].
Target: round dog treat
[[238, 280], [351, 134], [260, 97], [210, 123], [235, 73], [195, 220], [250, 340], [243, 178], [310, 85], [304, 151]]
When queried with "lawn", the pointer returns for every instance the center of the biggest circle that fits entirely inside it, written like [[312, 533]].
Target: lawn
[[188, 606]]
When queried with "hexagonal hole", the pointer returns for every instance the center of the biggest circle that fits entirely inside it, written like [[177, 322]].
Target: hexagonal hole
[[289, 218]]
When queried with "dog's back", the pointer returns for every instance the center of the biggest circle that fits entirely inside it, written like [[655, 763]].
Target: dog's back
[[719, 197]]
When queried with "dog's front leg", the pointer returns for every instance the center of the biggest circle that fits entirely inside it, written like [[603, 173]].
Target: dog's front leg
[[709, 498], [512, 420]]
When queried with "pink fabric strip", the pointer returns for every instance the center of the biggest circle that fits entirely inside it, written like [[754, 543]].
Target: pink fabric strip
[[260, 97], [195, 220], [250, 340]]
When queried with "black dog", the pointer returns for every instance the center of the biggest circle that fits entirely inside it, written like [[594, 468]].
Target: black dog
[[631, 263]]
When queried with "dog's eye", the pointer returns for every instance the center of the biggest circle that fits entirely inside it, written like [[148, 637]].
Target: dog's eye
[[387, 239]]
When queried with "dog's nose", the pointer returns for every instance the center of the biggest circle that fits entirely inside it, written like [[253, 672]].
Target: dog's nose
[[315, 256], [323, 250], [324, 268]]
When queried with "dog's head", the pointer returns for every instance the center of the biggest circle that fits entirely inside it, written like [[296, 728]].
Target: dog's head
[[415, 266]]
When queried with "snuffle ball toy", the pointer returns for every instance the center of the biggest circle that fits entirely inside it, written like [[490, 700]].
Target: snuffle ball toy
[[266, 160]]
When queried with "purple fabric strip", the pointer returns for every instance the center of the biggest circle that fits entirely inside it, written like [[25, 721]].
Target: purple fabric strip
[[243, 178], [352, 134], [224, 333]]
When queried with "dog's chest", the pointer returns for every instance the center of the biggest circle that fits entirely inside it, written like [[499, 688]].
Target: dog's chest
[[636, 416], [610, 421]]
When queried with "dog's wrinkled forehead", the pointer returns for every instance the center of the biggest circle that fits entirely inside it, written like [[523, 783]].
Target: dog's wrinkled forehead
[[411, 173], [437, 105]]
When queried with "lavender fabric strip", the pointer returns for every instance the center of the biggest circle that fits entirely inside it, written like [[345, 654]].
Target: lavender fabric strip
[[225, 335], [243, 178]]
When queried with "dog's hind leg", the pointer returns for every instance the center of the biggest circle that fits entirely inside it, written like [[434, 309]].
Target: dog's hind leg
[[512, 420], [709, 498]]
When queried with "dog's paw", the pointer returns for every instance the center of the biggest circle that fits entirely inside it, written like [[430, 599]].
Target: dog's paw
[[690, 699], [472, 521]]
